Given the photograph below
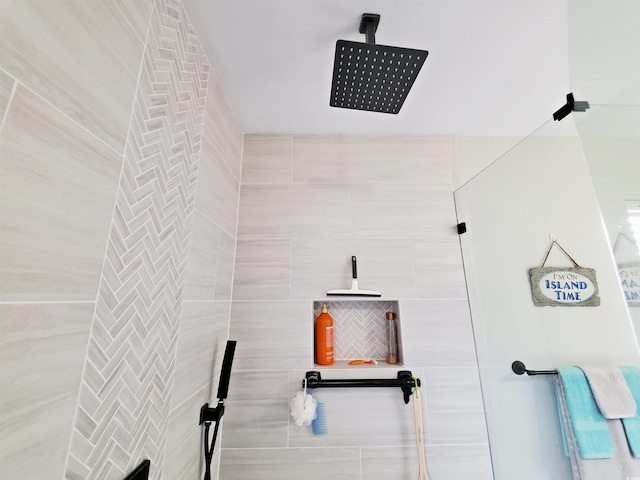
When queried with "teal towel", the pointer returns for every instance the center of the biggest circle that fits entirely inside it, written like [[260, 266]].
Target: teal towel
[[589, 426], [632, 425]]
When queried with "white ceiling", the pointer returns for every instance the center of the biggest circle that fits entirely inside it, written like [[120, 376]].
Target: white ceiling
[[494, 67]]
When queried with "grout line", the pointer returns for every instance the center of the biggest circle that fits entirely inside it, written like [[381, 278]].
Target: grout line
[[8, 106], [293, 160], [46, 302], [72, 120], [412, 252], [288, 420], [290, 268], [351, 237], [235, 235], [360, 447]]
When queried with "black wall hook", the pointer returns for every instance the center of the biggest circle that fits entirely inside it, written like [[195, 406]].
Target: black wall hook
[[519, 369]]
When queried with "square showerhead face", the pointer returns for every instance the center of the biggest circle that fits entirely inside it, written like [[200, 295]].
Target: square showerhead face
[[372, 77]]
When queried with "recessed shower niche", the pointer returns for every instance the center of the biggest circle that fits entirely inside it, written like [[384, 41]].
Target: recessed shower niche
[[359, 331]]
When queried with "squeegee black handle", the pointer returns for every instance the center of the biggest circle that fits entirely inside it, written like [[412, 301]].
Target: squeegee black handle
[[225, 373], [354, 269]]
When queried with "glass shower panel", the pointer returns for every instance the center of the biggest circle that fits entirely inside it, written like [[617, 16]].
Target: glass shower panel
[[610, 136], [540, 188], [604, 47]]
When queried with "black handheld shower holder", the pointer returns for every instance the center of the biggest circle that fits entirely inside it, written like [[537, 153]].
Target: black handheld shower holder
[[208, 414]]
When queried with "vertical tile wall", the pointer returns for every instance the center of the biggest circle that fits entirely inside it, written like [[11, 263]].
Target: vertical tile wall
[[307, 204], [119, 177]]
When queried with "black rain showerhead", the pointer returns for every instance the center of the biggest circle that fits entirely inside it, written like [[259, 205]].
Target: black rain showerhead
[[372, 77]]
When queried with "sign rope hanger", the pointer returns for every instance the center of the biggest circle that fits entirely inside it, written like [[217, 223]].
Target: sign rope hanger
[[553, 243]]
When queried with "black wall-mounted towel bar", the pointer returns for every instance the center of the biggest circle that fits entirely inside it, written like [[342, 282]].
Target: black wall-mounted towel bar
[[405, 381], [519, 369]]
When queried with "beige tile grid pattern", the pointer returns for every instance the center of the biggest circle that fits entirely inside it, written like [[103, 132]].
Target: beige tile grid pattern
[[307, 204]]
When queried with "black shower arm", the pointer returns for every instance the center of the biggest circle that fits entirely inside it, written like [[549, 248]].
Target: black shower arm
[[369, 25], [405, 381]]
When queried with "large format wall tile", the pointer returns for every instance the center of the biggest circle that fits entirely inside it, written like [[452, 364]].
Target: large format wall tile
[[272, 335], [427, 161], [218, 190], [290, 463], [444, 462], [6, 90], [437, 333], [57, 187], [455, 411], [401, 211], [263, 270], [41, 355], [267, 159], [235, 145], [397, 462], [222, 137], [84, 57], [438, 267], [257, 409], [202, 262], [184, 457], [452, 462], [201, 342], [224, 274], [347, 159], [292, 211]]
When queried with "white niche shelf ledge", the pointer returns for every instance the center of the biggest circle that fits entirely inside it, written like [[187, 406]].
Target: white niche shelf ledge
[[359, 331]]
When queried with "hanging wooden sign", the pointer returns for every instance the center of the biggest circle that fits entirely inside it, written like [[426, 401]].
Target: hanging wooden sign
[[630, 281], [562, 286]]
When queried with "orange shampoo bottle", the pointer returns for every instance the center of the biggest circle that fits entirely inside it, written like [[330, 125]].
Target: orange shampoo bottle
[[324, 337]]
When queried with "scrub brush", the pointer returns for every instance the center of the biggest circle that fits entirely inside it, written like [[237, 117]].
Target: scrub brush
[[319, 424]]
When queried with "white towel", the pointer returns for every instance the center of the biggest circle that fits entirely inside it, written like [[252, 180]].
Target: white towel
[[610, 390]]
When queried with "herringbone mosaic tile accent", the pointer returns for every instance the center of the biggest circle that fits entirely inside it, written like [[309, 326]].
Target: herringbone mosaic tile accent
[[126, 387], [358, 328]]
